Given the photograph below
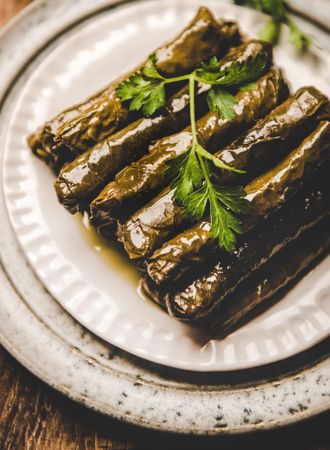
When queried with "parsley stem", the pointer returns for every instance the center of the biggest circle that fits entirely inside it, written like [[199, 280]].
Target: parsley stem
[[194, 147], [176, 79], [206, 174], [192, 109]]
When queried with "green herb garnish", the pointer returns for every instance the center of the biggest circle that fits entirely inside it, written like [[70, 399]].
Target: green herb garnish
[[197, 173], [279, 12]]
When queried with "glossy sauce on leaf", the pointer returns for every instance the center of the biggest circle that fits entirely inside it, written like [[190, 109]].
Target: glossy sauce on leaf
[[77, 129], [266, 193], [199, 297], [261, 289], [149, 173]]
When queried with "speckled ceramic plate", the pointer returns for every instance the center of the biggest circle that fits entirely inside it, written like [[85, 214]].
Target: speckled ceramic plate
[[94, 283], [38, 332]]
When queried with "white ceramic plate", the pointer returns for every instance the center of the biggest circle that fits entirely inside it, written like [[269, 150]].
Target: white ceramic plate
[[95, 284]]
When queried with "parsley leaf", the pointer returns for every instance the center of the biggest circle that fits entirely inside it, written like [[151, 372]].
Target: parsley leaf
[[233, 198], [150, 70], [173, 166], [189, 175], [225, 203], [195, 191], [279, 12], [195, 174], [131, 87], [271, 31], [145, 90], [196, 202], [235, 74], [221, 102], [244, 72], [154, 100], [297, 37], [224, 226], [209, 71], [274, 8], [213, 66], [248, 86]]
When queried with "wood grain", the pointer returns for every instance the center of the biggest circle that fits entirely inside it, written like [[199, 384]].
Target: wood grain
[[35, 417], [8, 8]]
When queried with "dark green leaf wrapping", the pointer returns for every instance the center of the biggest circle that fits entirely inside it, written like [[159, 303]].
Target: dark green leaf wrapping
[[255, 151], [278, 10], [266, 193], [198, 298], [140, 233], [260, 288], [80, 180], [222, 102], [280, 131], [83, 178], [77, 129], [153, 223], [148, 173]]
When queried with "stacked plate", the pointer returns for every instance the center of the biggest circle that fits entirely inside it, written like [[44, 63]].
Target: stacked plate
[[70, 309]]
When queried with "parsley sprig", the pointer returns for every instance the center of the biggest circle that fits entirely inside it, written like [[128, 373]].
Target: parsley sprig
[[197, 186], [196, 172], [279, 15]]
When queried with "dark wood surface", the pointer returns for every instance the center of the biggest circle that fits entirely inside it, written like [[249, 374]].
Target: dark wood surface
[[8, 8], [35, 417]]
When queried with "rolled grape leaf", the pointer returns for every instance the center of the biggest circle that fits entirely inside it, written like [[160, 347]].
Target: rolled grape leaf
[[148, 173], [279, 132], [197, 299], [266, 143], [269, 281], [82, 179], [262, 288], [266, 193], [77, 129]]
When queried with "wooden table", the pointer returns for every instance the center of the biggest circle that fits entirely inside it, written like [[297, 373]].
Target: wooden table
[[35, 417]]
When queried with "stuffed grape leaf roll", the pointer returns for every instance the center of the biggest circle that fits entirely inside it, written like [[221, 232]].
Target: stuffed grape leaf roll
[[148, 173], [265, 194], [148, 228], [81, 180], [77, 129], [89, 172], [282, 129], [196, 299], [260, 289]]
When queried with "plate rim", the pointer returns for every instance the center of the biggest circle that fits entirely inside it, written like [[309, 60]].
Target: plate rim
[[195, 361], [318, 370]]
